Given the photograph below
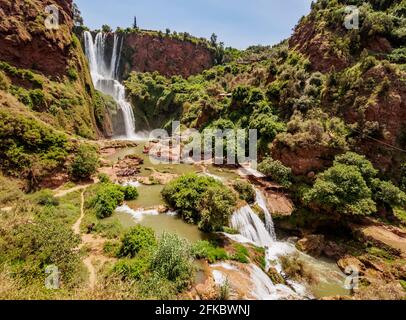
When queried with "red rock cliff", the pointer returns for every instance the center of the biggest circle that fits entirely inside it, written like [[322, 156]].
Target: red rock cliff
[[26, 43], [148, 53]]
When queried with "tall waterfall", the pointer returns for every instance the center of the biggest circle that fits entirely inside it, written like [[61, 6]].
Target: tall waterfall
[[105, 75], [261, 201], [250, 226]]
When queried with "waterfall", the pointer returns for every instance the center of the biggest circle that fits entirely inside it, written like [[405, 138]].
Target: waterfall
[[250, 226], [261, 202], [105, 75]]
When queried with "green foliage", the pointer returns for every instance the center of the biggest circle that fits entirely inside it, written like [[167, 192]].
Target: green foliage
[[31, 247], [85, 163], [72, 74], [106, 28], [241, 253], [173, 260], [46, 198], [130, 193], [108, 197], [133, 269], [387, 193], [342, 189], [208, 251], [277, 171], [216, 207], [200, 200], [103, 178], [29, 147], [136, 239], [365, 167], [245, 190]]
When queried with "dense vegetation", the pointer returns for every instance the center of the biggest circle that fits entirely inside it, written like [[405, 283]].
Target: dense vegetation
[[201, 200]]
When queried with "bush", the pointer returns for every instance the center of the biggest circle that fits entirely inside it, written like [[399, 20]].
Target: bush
[[342, 189], [46, 198], [388, 194], [206, 250], [276, 171], [136, 239], [108, 197], [173, 260], [245, 190], [134, 269], [130, 193], [103, 178], [185, 193], [216, 206], [85, 163]]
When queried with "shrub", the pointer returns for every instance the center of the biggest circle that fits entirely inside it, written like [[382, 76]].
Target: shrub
[[103, 178], [108, 197], [245, 190], [46, 198], [276, 171], [342, 189], [136, 239], [185, 193], [387, 193], [216, 206], [135, 268], [173, 260], [85, 163], [241, 253], [206, 250], [130, 193]]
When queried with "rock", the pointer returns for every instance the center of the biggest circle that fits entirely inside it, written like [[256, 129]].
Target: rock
[[208, 290], [312, 245], [333, 251], [348, 264]]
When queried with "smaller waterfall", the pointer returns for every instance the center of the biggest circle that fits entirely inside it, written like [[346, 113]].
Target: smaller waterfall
[[250, 226], [261, 202]]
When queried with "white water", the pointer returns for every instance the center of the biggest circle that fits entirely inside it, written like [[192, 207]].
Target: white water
[[261, 201], [105, 76], [138, 215], [250, 226]]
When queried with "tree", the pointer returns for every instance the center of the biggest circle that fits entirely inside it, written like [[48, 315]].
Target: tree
[[77, 15], [168, 31], [364, 166], [85, 163], [276, 171], [136, 239], [173, 259], [213, 40], [342, 189], [108, 197], [245, 190], [106, 28], [216, 206]]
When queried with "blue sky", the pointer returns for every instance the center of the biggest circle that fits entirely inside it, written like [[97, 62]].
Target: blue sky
[[238, 23]]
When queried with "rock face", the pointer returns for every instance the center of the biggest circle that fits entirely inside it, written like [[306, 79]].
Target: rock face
[[145, 52], [316, 46], [26, 43]]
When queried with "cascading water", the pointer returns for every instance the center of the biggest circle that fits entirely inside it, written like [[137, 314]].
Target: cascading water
[[250, 226], [105, 76], [261, 201]]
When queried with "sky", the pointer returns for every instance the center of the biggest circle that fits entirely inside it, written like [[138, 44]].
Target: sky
[[237, 23]]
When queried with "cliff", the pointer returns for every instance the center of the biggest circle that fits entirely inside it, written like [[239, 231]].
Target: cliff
[[149, 52], [26, 43]]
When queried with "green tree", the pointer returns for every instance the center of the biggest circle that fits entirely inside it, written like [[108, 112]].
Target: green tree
[[85, 163], [276, 171], [136, 239], [173, 260], [342, 189], [216, 206], [245, 190]]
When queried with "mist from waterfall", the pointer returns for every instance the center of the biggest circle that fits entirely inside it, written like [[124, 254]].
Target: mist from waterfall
[[105, 75]]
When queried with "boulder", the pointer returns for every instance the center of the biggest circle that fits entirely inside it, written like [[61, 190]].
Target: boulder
[[312, 245]]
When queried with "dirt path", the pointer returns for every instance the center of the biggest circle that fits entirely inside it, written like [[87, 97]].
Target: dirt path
[[62, 193], [93, 244]]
